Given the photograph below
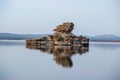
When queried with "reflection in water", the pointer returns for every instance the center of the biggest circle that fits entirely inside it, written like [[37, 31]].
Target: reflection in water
[[62, 54]]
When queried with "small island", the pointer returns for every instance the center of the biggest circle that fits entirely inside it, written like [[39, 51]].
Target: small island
[[62, 36]]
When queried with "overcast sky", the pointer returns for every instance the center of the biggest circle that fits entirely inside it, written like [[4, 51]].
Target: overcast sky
[[91, 17]]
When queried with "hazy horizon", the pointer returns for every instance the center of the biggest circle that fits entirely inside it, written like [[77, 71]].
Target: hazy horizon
[[91, 17]]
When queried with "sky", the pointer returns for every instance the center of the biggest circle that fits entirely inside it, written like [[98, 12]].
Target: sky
[[90, 17]]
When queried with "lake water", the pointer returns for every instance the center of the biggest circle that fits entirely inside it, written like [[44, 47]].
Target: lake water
[[99, 61]]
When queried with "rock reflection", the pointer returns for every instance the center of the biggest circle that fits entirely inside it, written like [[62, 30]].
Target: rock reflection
[[62, 54], [62, 44]]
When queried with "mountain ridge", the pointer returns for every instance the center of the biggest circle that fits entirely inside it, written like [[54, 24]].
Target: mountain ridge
[[105, 38], [11, 36]]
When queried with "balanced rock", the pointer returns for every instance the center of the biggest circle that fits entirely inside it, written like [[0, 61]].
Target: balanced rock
[[62, 36], [65, 27]]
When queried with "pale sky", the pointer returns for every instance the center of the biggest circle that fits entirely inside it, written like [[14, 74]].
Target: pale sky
[[91, 17]]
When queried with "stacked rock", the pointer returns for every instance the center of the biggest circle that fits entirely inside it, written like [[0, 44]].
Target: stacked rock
[[62, 36]]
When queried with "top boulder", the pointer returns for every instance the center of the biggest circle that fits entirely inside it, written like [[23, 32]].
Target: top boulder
[[65, 27]]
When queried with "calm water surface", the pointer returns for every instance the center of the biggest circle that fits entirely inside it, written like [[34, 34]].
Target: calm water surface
[[100, 62]]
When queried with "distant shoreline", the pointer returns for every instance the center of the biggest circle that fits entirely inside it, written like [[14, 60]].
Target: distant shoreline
[[106, 42], [103, 41], [93, 41]]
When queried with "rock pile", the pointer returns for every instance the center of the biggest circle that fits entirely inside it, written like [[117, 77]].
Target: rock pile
[[62, 36]]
